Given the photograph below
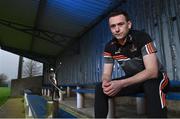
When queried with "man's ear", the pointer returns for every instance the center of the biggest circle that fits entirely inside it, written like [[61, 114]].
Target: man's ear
[[129, 24]]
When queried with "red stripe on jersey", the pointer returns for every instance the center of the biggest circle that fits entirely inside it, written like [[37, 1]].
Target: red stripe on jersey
[[164, 83], [107, 54], [150, 48], [120, 57]]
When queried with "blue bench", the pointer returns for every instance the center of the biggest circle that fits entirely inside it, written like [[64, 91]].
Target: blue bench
[[174, 86], [170, 95], [173, 94], [37, 106], [84, 90]]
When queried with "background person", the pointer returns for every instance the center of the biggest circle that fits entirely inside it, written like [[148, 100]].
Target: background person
[[52, 77]]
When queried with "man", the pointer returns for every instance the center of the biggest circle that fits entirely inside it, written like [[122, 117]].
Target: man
[[135, 52], [52, 77]]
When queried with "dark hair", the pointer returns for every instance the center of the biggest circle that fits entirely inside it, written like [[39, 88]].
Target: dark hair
[[119, 12]]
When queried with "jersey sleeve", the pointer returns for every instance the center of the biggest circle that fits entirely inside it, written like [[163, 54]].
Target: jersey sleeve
[[147, 45], [108, 54]]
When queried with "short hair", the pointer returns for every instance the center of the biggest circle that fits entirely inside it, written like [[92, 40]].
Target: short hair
[[119, 12]]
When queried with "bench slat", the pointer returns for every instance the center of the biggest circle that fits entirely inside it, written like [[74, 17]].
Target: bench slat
[[38, 105], [84, 90]]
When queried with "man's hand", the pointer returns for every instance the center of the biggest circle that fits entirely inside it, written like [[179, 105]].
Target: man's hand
[[106, 83], [111, 88]]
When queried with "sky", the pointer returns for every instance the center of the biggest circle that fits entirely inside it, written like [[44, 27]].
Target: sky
[[9, 64]]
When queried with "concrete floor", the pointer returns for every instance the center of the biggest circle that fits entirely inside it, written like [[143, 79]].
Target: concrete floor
[[123, 110], [87, 111]]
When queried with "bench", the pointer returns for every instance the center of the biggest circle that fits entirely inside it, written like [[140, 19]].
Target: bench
[[173, 94], [35, 105], [48, 91]]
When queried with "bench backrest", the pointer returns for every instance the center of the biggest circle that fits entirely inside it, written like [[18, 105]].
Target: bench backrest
[[38, 105]]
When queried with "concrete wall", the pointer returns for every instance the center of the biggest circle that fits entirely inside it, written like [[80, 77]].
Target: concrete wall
[[19, 85]]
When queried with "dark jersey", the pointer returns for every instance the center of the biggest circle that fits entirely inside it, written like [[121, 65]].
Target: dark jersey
[[130, 55]]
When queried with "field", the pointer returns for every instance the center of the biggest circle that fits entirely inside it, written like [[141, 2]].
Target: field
[[4, 94]]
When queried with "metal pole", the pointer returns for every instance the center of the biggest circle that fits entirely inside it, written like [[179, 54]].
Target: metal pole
[[20, 67]]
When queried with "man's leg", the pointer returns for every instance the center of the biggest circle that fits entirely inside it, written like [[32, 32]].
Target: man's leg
[[155, 91], [52, 93], [101, 102]]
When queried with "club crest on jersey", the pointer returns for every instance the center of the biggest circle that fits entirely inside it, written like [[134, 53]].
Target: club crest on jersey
[[119, 51], [133, 48]]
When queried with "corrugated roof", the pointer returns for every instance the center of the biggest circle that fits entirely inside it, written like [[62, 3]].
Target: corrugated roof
[[48, 25]]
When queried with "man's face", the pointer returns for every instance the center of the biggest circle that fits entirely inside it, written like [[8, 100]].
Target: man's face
[[119, 26]]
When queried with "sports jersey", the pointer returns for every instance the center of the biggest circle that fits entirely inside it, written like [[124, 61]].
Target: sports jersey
[[130, 55]]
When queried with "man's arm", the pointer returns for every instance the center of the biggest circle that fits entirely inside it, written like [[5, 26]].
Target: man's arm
[[150, 72], [107, 72]]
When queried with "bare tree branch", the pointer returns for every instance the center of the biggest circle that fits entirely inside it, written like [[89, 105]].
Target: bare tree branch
[[32, 68]]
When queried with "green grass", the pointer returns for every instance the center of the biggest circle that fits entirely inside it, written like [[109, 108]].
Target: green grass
[[4, 94]]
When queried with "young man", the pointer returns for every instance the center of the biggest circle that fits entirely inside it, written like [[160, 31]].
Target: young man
[[135, 52]]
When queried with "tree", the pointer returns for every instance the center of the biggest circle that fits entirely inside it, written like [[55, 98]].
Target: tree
[[3, 78], [32, 68]]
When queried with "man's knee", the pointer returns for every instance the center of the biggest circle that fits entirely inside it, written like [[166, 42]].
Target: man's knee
[[151, 83], [99, 88]]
